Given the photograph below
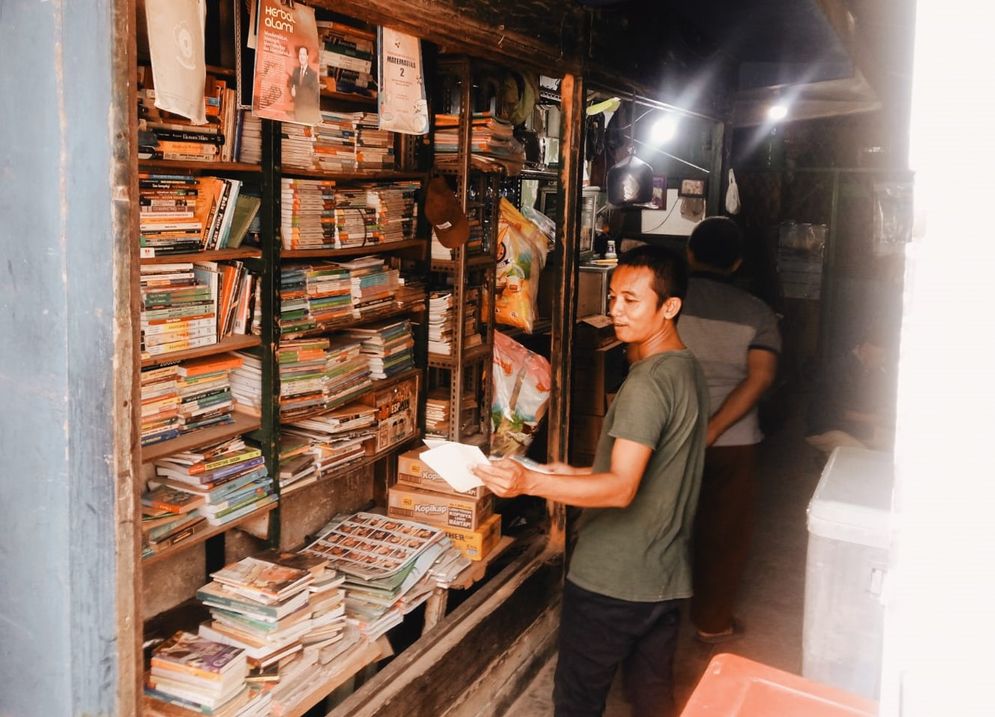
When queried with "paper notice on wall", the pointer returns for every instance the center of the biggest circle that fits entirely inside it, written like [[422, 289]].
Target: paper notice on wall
[[176, 47], [402, 102], [285, 84]]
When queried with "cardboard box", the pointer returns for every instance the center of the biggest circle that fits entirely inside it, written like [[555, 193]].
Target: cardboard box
[[477, 544], [397, 413], [598, 373], [411, 471], [439, 509]]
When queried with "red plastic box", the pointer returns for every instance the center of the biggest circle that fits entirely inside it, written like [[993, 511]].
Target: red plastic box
[[733, 686]]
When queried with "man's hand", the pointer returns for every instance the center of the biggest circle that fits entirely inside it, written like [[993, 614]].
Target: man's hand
[[506, 478]]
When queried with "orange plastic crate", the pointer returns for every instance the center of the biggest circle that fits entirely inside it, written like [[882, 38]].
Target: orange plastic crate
[[733, 686]]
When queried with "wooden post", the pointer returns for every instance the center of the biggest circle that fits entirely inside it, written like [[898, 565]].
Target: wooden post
[[572, 135]]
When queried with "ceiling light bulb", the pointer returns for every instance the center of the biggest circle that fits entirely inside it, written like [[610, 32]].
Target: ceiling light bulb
[[777, 112], [663, 129]]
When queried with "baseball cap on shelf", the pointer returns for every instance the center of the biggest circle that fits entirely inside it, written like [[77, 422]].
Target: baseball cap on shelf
[[444, 213]]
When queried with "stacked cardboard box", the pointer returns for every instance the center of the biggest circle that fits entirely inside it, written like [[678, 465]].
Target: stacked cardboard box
[[468, 518]]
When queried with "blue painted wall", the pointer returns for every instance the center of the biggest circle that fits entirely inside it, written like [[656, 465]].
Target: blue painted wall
[[57, 608]]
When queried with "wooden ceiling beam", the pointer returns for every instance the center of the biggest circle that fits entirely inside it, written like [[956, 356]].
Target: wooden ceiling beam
[[457, 31]]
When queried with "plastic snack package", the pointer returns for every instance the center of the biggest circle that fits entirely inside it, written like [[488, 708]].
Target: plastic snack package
[[521, 257], [522, 381]]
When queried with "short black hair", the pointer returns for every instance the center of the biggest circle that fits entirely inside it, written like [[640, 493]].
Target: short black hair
[[670, 273], [717, 242]]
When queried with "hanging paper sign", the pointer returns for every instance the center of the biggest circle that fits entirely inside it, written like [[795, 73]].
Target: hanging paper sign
[[402, 85], [285, 84], [176, 47]]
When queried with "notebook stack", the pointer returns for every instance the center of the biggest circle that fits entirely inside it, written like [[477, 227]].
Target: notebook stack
[[374, 286], [335, 439], [205, 391], [374, 146], [307, 214], [335, 143], [169, 516], [347, 59], [492, 143]]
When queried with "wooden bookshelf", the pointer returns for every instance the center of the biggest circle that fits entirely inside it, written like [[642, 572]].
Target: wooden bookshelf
[[191, 166], [215, 255], [291, 254], [381, 176], [235, 342], [203, 535], [243, 423]]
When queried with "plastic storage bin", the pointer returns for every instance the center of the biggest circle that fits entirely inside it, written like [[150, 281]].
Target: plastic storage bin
[[733, 686], [849, 536]]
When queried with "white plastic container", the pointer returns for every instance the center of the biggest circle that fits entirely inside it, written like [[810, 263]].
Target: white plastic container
[[848, 545]]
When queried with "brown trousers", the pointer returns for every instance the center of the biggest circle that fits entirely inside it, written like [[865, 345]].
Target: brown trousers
[[722, 530]]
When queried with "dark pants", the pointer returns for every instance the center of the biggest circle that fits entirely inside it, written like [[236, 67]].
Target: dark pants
[[599, 633], [722, 530]]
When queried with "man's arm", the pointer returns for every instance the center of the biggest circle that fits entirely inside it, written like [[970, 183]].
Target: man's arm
[[761, 368], [612, 489]]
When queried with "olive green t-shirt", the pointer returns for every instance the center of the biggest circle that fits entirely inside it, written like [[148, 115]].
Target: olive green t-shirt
[[641, 553]]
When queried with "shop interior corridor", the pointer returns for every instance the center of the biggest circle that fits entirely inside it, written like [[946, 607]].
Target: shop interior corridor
[[772, 597]]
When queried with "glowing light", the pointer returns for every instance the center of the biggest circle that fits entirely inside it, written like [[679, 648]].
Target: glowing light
[[777, 112], [663, 129]]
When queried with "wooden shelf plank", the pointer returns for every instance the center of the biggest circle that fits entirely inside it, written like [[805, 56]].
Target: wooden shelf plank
[[349, 176], [205, 534], [194, 166], [215, 255], [292, 254], [243, 424], [228, 343], [336, 673]]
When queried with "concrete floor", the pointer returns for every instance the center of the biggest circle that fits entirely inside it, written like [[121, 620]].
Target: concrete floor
[[771, 600]]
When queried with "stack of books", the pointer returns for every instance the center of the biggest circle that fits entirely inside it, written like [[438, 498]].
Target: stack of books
[[492, 143], [302, 364], [316, 214], [179, 308], [347, 372], [202, 676], [298, 467], [246, 384], [295, 315], [259, 606], [334, 143], [205, 391], [230, 478], [438, 414], [374, 146], [169, 516], [251, 145], [387, 346], [163, 135], [347, 59], [334, 439], [350, 143], [329, 293], [168, 218], [307, 213], [386, 563], [440, 323], [160, 393], [374, 285]]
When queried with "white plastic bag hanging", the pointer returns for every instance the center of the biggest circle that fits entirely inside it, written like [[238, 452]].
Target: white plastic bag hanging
[[732, 195]]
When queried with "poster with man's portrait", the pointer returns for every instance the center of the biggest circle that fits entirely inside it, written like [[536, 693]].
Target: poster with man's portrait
[[286, 84]]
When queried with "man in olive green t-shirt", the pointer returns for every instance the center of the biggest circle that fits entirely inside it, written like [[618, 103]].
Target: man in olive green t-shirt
[[631, 566]]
